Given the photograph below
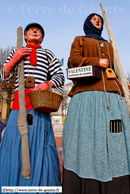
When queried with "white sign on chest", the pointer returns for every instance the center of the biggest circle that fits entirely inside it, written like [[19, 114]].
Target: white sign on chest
[[85, 71]]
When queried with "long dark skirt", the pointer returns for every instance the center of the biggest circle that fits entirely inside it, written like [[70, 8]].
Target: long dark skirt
[[73, 184]]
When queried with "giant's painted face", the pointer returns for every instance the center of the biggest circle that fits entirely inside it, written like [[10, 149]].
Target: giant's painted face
[[96, 21], [34, 36]]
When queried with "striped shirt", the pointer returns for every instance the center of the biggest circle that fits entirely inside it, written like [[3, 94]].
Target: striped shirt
[[45, 63]]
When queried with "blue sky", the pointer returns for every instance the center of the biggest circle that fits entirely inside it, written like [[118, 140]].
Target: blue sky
[[62, 21]]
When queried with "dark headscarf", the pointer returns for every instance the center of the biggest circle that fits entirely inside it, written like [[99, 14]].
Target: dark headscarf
[[90, 30]]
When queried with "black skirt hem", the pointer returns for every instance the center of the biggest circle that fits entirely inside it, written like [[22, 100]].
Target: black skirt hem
[[73, 184]]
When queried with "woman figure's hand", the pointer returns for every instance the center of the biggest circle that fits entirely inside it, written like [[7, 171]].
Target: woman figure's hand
[[104, 63], [129, 87]]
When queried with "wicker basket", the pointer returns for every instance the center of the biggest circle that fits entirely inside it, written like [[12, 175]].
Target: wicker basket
[[44, 100]]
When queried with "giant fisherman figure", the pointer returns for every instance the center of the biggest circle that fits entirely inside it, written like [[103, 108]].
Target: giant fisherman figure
[[43, 154]]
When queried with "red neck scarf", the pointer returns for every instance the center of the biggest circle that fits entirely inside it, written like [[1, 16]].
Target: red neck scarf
[[33, 56]]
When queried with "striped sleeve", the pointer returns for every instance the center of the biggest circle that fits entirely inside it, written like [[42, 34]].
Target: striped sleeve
[[56, 73], [2, 69]]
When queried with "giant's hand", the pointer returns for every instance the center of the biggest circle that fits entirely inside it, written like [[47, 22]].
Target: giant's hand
[[104, 63], [129, 87], [16, 58], [43, 86], [19, 54]]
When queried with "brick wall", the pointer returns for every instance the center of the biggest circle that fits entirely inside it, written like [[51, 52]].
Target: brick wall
[[59, 150]]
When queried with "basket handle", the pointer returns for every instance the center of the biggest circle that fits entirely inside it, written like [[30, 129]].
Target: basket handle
[[50, 88]]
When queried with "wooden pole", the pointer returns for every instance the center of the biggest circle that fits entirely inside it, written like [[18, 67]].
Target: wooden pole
[[22, 117], [117, 61]]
